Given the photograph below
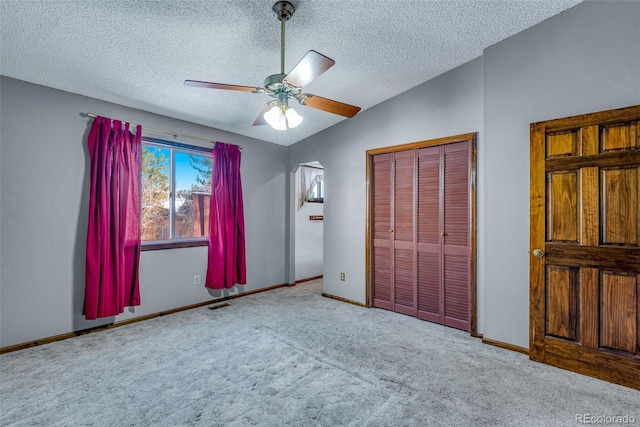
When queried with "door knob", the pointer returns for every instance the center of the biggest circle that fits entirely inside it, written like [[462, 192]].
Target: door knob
[[538, 253], [391, 230], [442, 233]]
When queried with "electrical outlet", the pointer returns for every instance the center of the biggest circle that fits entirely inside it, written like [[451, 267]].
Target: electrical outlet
[[196, 279], [342, 277]]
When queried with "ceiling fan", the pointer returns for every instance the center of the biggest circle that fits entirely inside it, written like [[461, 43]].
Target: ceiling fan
[[277, 112]]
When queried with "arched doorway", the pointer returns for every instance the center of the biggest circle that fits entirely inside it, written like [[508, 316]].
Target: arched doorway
[[308, 221]]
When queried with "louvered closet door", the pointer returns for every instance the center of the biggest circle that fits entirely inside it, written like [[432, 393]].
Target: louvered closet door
[[456, 235], [421, 233], [382, 231], [429, 226], [443, 235], [404, 268]]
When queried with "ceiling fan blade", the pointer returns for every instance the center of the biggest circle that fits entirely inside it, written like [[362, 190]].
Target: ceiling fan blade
[[310, 66], [330, 105], [210, 85], [260, 121]]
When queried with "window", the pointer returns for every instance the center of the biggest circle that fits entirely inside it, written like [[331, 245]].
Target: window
[[176, 189], [309, 184], [316, 192]]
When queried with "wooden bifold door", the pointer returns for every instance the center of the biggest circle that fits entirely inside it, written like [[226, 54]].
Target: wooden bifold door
[[585, 244], [421, 256]]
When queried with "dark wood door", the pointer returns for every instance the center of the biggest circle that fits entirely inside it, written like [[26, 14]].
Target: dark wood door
[[585, 244]]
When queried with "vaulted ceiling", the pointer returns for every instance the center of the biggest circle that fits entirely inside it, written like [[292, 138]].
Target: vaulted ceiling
[[138, 53]]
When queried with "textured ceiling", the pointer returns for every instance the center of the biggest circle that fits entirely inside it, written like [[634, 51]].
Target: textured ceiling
[[138, 53]]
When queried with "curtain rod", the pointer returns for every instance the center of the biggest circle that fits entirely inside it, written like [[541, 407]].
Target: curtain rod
[[173, 134]]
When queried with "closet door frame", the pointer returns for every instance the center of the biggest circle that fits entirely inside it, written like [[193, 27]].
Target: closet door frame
[[471, 137]]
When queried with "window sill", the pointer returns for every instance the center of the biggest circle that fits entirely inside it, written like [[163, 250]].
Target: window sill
[[154, 246]]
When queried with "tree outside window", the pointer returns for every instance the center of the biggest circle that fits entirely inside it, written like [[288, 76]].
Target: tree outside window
[[176, 189]]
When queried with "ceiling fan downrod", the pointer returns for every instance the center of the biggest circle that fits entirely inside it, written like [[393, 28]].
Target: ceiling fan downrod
[[284, 11]]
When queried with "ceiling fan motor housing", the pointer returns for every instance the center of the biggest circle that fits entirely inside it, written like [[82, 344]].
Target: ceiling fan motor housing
[[274, 82], [275, 85]]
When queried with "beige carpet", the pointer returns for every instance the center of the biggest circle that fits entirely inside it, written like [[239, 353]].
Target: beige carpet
[[291, 357]]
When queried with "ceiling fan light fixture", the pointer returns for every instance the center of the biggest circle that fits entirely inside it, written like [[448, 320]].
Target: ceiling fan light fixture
[[275, 118], [293, 118], [282, 117]]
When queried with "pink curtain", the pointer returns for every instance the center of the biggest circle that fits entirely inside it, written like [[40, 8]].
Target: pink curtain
[[113, 235], [227, 263]]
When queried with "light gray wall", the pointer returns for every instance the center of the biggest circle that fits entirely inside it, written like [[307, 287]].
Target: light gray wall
[[584, 60], [44, 199], [450, 104], [309, 245]]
